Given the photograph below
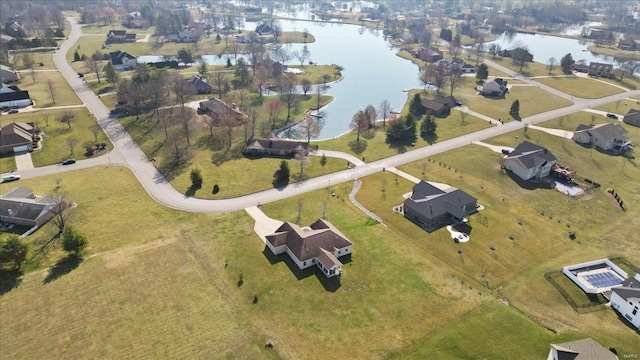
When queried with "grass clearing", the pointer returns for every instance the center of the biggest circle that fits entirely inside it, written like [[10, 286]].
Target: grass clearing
[[39, 90], [580, 87], [39, 57], [620, 107]]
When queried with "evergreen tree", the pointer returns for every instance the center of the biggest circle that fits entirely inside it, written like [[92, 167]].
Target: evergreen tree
[[111, 74], [196, 178], [482, 72], [395, 130], [73, 240], [281, 176], [566, 63], [428, 127], [13, 252], [415, 106], [76, 56], [515, 109]]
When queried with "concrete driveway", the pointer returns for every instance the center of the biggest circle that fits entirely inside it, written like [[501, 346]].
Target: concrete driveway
[[23, 161]]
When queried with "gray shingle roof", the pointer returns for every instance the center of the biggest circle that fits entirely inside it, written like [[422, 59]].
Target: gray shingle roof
[[432, 202], [583, 349], [531, 155]]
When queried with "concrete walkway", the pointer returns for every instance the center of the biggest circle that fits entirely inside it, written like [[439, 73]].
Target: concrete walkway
[[264, 225], [23, 161], [555, 132], [465, 109], [338, 154], [494, 148]]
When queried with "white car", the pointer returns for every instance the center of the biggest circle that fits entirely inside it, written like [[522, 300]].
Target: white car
[[10, 178]]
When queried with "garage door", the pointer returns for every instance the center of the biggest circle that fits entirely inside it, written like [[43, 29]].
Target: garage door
[[21, 149]]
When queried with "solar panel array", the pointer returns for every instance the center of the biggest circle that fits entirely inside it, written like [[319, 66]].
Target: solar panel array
[[601, 280]]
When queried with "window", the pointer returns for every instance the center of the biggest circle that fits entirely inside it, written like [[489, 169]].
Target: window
[[635, 310], [304, 263]]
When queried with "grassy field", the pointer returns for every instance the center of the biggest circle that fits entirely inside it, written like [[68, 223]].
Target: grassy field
[[529, 68], [580, 87], [44, 57], [571, 122], [620, 107], [39, 89], [7, 162], [56, 148]]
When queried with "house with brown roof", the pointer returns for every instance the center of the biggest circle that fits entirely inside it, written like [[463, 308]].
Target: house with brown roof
[[600, 69], [200, 85], [627, 44], [530, 161], [632, 117], [320, 244], [120, 36], [583, 349], [517, 53], [604, 136], [219, 110], [431, 207], [16, 137], [21, 206], [428, 55], [273, 147], [625, 299], [440, 106]]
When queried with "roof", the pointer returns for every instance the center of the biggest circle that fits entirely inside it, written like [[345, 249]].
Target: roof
[[15, 96], [531, 155], [199, 83], [17, 133], [117, 56], [30, 207], [439, 103], [629, 289], [264, 28], [219, 107], [608, 131], [260, 144], [432, 202], [6, 68], [309, 243], [584, 349]]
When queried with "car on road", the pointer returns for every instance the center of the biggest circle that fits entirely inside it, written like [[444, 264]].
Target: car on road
[[458, 103], [9, 178], [69, 162], [506, 151], [80, 75], [612, 116], [13, 111]]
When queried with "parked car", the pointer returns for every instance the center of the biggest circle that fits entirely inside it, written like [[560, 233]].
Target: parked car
[[506, 151], [69, 162], [13, 111], [80, 75], [9, 178], [612, 116]]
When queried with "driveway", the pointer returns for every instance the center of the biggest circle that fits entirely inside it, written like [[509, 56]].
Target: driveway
[[23, 161]]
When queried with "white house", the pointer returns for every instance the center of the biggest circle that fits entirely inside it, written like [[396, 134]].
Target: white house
[[605, 136], [530, 161], [583, 349], [625, 299], [497, 87], [122, 60], [320, 244], [13, 97]]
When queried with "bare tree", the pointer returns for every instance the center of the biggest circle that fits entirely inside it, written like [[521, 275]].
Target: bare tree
[[494, 49], [94, 66], [282, 54], [372, 115], [288, 94], [385, 110], [51, 88], [221, 81], [359, 123], [67, 117], [186, 120], [59, 209], [253, 112], [302, 56], [260, 78], [302, 157], [277, 30], [306, 86], [425, 76], [95, 130], [551, 63], [228, 122], [72, 142], [273, 108], [455, 79], [319, 90], [183, 90], [308, 128], [179, 150], [438, 75]]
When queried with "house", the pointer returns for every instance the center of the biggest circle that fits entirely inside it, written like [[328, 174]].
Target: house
[[13, 97], [496, 87], [605, 136], [320, 244], [134, 20], [219, 110], [440, 106], [431, 207], [122, 60], [120, 36], [21, 206], [5, 39], [16, 137], [627, 44], [632, 117], [625, 299], [326, 6], [264, 29], [583, 349], [8, 75], [456, 65], [580, 66], [600, 69], [428, 55], [273, 147], [530, 161], [200, 85], [518, 54]]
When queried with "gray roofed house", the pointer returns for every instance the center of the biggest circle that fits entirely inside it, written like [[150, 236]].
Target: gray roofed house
[[583, 349], [21, 206], [605, 136], [201, 85], [632, 117], [264, 29], [273, 147], [320, 244], [122, 60], [431, 207], [440, 106], [530, 161], [8, 75], [17, 136], [120, 36], [496, 87], [600, 69], [218, 110], [428, 55], [625, 299]]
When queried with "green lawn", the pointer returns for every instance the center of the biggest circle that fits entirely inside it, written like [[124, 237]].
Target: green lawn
[[620, 107], [39, 90], [529, 69], [7, 162], [44, 57], [580, 87], [56, 148], [571, 121]]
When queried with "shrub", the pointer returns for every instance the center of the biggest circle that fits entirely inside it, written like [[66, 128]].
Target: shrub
[[196, 178]]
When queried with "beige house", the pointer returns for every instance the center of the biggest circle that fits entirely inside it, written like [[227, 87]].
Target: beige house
[[529, 161], [608, 137]]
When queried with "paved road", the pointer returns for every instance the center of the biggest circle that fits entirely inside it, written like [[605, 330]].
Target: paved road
[[127, 153]]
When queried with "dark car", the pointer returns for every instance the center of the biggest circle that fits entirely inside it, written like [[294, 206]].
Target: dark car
[[612, 116], [13, 111], [80, 75], [68, 162], [506, 151]]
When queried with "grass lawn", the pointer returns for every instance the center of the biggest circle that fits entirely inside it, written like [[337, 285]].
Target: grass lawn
[[580, 87], [7, 162], [56, 148], [288, 37], [44, 57], [529, 68], [39, 90], [314, 73], [620, 107], [571, 121]]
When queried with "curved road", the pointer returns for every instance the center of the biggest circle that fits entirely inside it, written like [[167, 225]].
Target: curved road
[[127, 153]]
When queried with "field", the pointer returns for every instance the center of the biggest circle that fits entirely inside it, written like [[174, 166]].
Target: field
[[39, 90], [580, 87]]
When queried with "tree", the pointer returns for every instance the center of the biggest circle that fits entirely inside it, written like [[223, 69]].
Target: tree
[[196, 178], [372, 115], [306, 86], [288, 94], [111, 74], [428, 127], [319, 90], [94, 66], [72, 142], [67, 117], [302, 56], [359, 123], [415, 105], [202, 68], [186, 56], [76, 56], [396, 130], [455, 79], [13, 252], [515, 109], [551, 63], [308, 128], [282, 55], [302, 157], [59, 208], [385, 110], [73, 241], [220, 82], [566, 63], [425, 77], [482, 72], [27, 60], [277, 30], [242, 73], [273, 108], [520, 54], [494, 49], [281, 176]]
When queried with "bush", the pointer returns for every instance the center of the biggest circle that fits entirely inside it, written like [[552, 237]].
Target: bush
[[196, 178], [216, 189]]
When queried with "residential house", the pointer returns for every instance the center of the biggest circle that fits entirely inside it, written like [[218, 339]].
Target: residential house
[[600, 69], [454, 64], [134, 20], [264, 29], [496, 87], [428, 55], [326, 6], [187, 36], [120, 36], [440, 106], [274, 147], [8, 75], [625, 299], [16, 137], [632, 117], [583, 349], [220, 110], [627, 44], [580, 66], [605, 136], [517, 53], [123, 60], [431, 207], [530, 161], [13, 97], [20, 206], [320, 244], [5, 39], [200, 85]]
